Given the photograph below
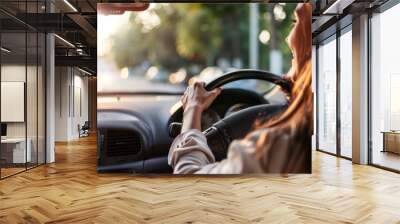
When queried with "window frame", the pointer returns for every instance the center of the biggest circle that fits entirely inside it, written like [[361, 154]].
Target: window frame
[[347, 27]]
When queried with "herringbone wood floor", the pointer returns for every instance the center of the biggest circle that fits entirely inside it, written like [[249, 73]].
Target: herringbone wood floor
[[70, 191]]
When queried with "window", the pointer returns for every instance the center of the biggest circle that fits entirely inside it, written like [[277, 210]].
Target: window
[[22, 87], [346, 94], [14, 153], [327, 96], [385, 89]]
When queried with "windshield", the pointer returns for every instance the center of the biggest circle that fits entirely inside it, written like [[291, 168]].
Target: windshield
[[171, 45]]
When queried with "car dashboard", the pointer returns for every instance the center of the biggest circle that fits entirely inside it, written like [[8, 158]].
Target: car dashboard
[[133, 131]]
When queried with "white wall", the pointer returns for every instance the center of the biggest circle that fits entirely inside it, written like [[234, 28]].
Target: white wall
[[71, 94], [12, 73], [80, 110], [62, 82]]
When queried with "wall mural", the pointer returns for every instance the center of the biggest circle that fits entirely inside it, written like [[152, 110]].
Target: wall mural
[[196, 88]]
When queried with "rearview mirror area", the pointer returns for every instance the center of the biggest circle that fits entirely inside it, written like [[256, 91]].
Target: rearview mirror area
[[121, 8]]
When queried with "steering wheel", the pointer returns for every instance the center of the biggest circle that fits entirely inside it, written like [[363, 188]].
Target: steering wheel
[[238, 124]]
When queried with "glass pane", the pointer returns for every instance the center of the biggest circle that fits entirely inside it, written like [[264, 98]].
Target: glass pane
[[31, 97], [385, 84], [327, 97], [346, 94], [13, 86], [314, 87], [41, 98], [31, 88]]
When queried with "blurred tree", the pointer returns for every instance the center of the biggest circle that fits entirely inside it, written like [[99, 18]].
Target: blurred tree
[[161, 41], [128, 48], [198, 34]]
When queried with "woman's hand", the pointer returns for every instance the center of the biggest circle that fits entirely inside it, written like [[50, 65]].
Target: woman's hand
[[194, 101], [198, 97]]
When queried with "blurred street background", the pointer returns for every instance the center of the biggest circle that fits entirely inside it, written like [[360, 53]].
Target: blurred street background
[[169, 46]]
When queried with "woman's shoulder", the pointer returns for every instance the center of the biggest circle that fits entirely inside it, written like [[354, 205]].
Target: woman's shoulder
[[242, 156], [270, 132]]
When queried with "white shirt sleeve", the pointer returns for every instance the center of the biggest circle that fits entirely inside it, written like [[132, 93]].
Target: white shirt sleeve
[[190, 154]]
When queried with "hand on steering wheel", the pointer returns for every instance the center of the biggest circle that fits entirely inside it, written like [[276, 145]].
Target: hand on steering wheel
[[194, 101], [235, 126], [197, 96]]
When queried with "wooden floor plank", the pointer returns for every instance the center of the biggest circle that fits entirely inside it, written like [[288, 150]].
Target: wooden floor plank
[[71, 191]]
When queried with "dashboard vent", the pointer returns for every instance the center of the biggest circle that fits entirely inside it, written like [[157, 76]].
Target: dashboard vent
[[122, 143]]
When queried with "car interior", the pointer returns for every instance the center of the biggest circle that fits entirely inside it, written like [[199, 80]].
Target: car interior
[[135, 137]]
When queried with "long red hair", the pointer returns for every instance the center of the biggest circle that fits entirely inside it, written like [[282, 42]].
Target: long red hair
[[295, 124]]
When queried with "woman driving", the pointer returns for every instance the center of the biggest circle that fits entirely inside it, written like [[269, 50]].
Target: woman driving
[[281, 144]]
